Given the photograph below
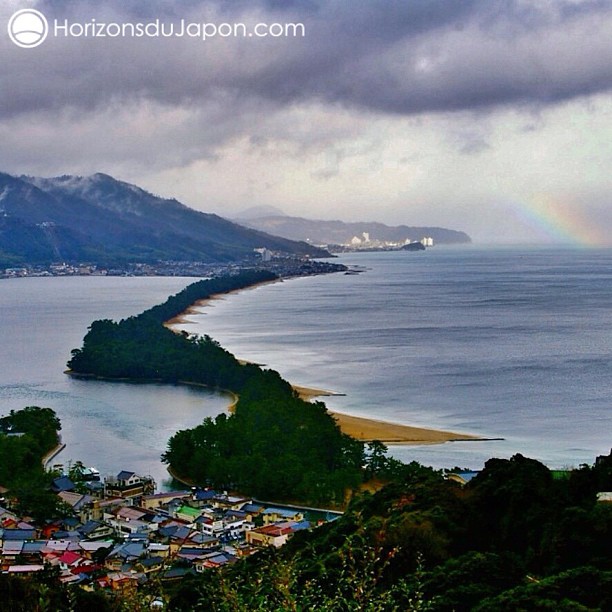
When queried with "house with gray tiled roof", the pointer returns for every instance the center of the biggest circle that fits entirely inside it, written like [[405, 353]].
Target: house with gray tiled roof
[[128, 552], [82, 505], [93, 530]]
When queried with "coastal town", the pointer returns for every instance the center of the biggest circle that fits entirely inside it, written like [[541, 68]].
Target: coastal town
[[283, 264], [265, 259], [119, 534]]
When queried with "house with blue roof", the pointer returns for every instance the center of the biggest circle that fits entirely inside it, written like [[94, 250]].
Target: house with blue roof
[[202, 497], [301, 526], [62, 483], [150, 564], [14, 535], [95, 530], [253, 509], [33, 549], [125, 553]]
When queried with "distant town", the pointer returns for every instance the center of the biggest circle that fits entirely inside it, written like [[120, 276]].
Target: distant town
[[365, 243], [281, 264]]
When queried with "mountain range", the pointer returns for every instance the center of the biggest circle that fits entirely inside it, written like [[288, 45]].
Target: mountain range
[[339, 232], [100, 219]]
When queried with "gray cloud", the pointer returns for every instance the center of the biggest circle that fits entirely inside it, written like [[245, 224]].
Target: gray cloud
[[385, 56], [409, 111]]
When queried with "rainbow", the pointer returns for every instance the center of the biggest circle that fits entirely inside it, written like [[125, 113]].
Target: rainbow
[[560, 221]]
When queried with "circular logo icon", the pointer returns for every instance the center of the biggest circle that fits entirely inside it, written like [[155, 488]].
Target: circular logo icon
[[28, 28]]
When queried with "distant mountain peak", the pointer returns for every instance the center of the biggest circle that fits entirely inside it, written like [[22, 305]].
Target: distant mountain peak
[[103, 176], [257, 212], [98, 218]]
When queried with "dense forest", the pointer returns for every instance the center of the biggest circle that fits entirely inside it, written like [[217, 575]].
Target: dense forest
[[273, 445], [141, 348], [26, 436]]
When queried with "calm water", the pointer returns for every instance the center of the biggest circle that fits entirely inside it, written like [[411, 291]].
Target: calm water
[[502, 343], [507, 343], [111, 426]]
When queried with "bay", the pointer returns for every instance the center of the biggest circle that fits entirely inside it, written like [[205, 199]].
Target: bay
[[511, 343], [110, 426]]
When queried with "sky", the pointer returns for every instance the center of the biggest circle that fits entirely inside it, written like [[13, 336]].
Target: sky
[[489, 116]]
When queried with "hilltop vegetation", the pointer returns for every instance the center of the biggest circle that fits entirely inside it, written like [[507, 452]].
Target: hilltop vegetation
[[141, 348], [512, 539]]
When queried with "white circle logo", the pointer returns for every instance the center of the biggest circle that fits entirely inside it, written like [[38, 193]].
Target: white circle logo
[[28, 28]]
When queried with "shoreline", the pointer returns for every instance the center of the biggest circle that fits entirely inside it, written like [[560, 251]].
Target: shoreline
[[157, 381], [366, 429], [183, 317], [361, 428], [53, 453]]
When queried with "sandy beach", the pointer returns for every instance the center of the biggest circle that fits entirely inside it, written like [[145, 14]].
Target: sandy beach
[[183, 318], [366, 430]]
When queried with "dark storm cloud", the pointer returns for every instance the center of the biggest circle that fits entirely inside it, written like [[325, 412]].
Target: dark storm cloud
[[387, 56]]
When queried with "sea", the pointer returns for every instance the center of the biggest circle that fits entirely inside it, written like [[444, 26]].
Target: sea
[[510, 344]]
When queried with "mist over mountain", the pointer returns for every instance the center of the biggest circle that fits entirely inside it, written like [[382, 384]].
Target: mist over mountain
[[339, 232], [103, 220]]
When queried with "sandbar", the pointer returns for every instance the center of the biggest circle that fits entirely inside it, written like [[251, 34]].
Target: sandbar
[[367, 430], [183, 317]]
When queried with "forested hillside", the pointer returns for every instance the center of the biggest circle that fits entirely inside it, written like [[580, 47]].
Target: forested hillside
[[99, 219], [26, 436]]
